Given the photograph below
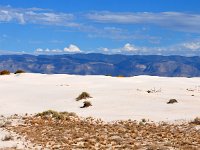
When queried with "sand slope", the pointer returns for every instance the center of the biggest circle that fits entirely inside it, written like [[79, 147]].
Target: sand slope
[[114, 98]]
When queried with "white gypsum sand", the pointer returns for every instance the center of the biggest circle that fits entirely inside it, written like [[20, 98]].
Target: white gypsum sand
[[113, 98]]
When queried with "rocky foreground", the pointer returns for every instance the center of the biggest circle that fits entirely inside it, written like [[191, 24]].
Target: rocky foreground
[[53, 130]]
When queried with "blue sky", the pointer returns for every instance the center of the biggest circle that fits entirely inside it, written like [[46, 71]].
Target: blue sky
[[162, 27]]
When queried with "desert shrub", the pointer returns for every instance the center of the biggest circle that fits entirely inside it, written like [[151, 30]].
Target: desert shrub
[[154, 90], [4, 72], [172, 101], [49, 113], [19, 71], [196, 121], [83, 95], [144, 120], [68, 113], [86, 104], [55, 115], [148, 91], [7, 138], [108, 75]]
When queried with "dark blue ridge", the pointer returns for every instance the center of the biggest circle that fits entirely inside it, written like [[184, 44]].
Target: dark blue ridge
[[101, 64]]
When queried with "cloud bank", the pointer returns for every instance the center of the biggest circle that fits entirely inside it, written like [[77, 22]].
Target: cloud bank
[[191, 48], [187, 22], [36, 16], [70, 49], [180, 21]]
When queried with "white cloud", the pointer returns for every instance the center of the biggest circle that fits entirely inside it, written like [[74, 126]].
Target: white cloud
[[11, 52], [72, 49], [39, 50], [191, 48], [129, 48], [186, 22], [192, 45], [56, 50], [104, 49], [47, 50], [36, 16]]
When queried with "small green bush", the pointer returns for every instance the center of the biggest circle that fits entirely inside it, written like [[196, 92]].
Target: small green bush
[[83, 95], [19, 71], [4, 72]]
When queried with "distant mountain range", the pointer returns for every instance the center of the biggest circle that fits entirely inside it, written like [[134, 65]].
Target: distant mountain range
[[100, 64]]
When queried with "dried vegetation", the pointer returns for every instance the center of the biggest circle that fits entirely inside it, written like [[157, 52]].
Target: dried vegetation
[[52, 132]]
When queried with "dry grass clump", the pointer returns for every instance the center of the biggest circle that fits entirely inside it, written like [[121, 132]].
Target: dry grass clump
[[4, 72], [154, 90], [172, 101], [89, 133], [83, 95], [55, 115], [86, 104], [196, 121], [19, 71]]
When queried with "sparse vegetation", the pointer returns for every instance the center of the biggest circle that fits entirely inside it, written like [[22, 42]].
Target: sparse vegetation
[[196, 121], [19, 71], [172, 101], [4, 72], [83, 95], [154, 90], [148, 91], [90, 133], [55, 115], [108, 75], [144, 120], [86, 104]]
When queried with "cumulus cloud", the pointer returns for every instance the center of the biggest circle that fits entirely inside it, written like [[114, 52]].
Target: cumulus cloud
[[39, 50], [192, 45], [105, 49], [187, 22], [129, 47], [191, 48], [36, 16], [72, 49]]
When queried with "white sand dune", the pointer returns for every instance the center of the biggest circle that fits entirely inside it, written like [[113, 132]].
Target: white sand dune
[[114, 98]]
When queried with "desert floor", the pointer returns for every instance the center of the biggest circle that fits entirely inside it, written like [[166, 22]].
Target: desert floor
[[113, 98]]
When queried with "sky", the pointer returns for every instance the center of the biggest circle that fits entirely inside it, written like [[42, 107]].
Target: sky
[[144, 27]]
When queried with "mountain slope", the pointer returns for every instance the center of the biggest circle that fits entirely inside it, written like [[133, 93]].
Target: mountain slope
[[100, 64]]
